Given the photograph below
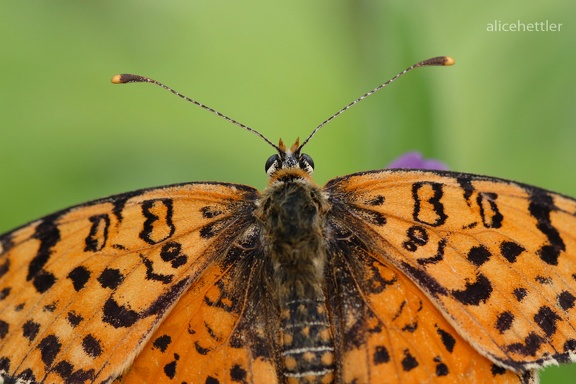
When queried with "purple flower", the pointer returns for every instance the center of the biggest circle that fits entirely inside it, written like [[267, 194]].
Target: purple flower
[[415, 160]]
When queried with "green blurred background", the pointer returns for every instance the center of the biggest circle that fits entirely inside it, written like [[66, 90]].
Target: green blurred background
[[67, 135]]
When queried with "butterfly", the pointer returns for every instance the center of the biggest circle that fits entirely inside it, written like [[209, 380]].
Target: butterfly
[[393, 275]]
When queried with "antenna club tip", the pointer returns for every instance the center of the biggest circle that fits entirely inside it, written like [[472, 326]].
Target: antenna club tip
[[127, 78], [117, 79], [441, 61], [448, 61]]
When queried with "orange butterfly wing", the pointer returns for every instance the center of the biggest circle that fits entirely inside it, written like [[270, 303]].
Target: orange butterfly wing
[[82, 290], [213, 336], [497, 258], [224, 329], [388, 331]]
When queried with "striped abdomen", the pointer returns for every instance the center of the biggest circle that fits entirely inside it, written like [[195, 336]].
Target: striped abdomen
[[307, 343]]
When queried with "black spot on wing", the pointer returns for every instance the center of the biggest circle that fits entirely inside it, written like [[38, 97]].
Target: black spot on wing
[[201, 350], [5, 364], [381, 355], [511, 250], [546, 319], [376, 200], [4, 267], [162, 342], [172, 252], [478, 255], [441, 370], [504, 321], [79, 276], [6, 243], [409, 362], [30, 330], [410, 327], [43, 281], [417, 237], [474, 293], [566, 300], [118, 316], [497, 370], [238, 374], [49, 348], [531, 344], [400, 310], [520, 293], [48, 234], [209, 212], [110, 278], [4, 328], [74, 319], [540, 206], [66, 370], [447, 339], [5, 292], [207, 231], [470, 226], [546, 280], [91, 346]]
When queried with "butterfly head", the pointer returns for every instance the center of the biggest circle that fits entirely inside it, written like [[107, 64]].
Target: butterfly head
[[291, 158]]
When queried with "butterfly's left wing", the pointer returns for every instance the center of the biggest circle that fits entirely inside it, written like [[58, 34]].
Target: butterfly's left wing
[[82, 290], [497, 258]]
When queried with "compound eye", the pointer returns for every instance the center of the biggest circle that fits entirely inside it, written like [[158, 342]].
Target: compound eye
[[306, 163], [272, 164]]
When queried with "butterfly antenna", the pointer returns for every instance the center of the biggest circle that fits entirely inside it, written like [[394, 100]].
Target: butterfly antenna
[[127, 78], [435, 61]]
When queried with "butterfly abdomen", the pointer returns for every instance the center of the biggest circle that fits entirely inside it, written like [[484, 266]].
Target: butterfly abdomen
[[292, 212], [307, 343]]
